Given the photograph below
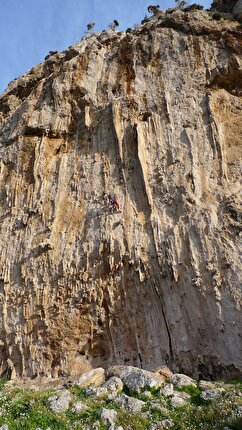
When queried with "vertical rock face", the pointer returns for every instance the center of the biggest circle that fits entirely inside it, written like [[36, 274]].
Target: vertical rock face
[[231, 6], [154, 115], [224, 5], [237, 10]]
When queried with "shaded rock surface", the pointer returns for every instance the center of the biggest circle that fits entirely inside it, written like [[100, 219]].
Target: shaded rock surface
[[232, 6], [154, 115]]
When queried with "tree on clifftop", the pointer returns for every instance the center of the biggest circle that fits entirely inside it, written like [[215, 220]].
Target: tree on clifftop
[[113, 25], [181, 3], [153, 9], [90, 26]]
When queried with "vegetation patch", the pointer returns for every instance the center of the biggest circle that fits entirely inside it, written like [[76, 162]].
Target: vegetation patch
[[29, 409], [133, 421]]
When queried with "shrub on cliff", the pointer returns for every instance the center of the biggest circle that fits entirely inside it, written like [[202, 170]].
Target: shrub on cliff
[[90, 26], [113, 25], [153, 9], [194, 6], [181, 4]]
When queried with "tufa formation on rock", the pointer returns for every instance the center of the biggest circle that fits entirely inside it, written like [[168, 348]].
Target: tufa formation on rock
[[154, 115]]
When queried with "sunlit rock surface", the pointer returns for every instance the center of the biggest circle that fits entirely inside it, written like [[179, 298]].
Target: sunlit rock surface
[[154, 115]]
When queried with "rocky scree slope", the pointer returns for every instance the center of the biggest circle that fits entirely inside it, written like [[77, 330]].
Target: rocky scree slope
[[155, 115], [122, 398]]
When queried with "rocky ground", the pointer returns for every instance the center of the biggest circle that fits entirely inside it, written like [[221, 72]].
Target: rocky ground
[[123, 398]]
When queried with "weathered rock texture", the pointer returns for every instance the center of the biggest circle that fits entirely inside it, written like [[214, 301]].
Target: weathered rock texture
[[154, 115], [231, 6]]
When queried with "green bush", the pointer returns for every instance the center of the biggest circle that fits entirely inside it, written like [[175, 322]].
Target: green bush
[[195, 395], [79, 393], [134, 421], [237, 383], [3, 381]]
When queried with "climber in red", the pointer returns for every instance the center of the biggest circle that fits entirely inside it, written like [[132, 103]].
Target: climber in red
[[113, 201]]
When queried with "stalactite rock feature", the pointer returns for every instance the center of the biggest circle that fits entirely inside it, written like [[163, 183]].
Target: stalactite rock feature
[[155, 116]]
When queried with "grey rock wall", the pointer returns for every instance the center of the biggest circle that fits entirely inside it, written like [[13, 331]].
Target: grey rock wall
[[237, 10]]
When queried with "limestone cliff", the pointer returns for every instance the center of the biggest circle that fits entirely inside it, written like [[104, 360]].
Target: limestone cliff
[[230, 6], [155, 115]]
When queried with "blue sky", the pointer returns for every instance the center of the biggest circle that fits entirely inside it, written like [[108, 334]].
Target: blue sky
[[29, 29]]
